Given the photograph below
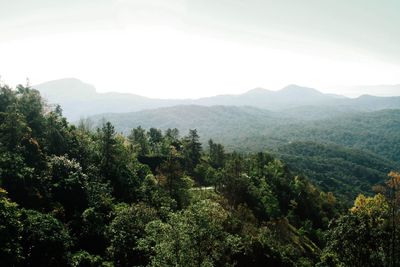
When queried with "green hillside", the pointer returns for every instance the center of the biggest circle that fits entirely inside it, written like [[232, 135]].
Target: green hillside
[[252, 129], [76, 196], [341, 170], [347, 155]]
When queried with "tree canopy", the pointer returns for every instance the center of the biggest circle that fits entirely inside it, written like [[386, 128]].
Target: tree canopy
[[76, 196]]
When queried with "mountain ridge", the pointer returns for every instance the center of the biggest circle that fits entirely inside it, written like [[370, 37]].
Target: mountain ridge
[[80, 99]]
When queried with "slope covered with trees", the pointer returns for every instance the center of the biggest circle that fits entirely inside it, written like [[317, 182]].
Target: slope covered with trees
[[251, 129], [376, 132], [338, 169], [70, 196], [74, 197], [346, 154]]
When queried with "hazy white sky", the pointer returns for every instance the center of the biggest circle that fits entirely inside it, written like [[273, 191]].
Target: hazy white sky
[[192, 48]]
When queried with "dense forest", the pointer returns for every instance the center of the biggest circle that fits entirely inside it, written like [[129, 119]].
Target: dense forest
[[344, 171], [252, 129], [71, 195], [342, 152]]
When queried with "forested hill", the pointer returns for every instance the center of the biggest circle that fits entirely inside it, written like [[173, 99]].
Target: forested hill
[[75, 196], [338, 169], [347, 154], [376, 132], [252, 129], [209, 121], [79, 99]]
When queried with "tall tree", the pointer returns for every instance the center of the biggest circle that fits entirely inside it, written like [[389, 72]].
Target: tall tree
[[139, 140], [155, 140], [31, 106], [216, 154], [174, 181], [108, 150], [118, 165], [192, 150], [7, 98]]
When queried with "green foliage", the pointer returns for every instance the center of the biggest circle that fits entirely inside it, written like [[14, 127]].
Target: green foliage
[[191, 150], [45, 240], [10, 232], [343, 171], [155, 140], [367, 234], [84, 259], [154, 194], [196, 237], [96, 198], [250, 129], [30, 104], [172, 178], [139, 140], [117, 165], [68, 180], [127, 227], [216, 154]]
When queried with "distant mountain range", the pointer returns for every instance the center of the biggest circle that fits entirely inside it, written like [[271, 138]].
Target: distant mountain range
[[383, 90], [79, 99]]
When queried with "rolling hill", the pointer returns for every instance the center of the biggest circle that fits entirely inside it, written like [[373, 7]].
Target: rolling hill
[[345, 172], [347, 154], [253, 129]]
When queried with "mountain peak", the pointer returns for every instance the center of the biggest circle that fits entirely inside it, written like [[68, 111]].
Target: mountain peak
[[296, 89], [257, 90], [69, 81], [66, 87]]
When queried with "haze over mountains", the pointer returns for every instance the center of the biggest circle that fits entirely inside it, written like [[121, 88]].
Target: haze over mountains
[[80, 99]]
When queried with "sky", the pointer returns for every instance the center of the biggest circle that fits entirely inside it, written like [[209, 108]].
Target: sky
[[197, 48]]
